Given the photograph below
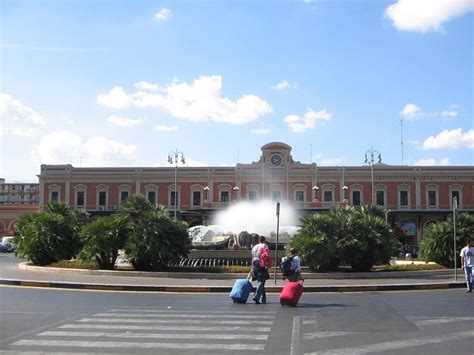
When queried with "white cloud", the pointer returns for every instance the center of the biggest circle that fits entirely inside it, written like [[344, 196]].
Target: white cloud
[[452, 139], [411, 111], [162, 15], [116, 98], [124, 121], [308, 121], [453, 111], [307, 1], [199, 102], [59, 148], [17, 118], [425, 15], [144, 85], [164, 128], [259, 131], [283, 85], [432, 162]]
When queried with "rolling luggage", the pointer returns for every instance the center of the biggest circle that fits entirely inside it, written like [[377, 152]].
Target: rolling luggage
[[241, 290], [291, 293]]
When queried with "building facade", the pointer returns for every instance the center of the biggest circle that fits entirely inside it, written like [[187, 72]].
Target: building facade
[[412, 196]]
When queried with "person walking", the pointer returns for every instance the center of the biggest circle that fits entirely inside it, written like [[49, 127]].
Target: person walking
[[291, 266], [467, 262], [261, 261]]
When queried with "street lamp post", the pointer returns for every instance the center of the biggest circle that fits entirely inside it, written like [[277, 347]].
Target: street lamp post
[[173, 158], [370, 159]]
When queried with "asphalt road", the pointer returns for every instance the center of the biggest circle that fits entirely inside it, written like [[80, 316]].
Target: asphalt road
[[417, 322]]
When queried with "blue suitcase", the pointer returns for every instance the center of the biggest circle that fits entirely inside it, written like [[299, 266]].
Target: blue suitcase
[[241, 290]]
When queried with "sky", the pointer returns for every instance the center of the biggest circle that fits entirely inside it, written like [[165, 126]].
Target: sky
[[124, 83]]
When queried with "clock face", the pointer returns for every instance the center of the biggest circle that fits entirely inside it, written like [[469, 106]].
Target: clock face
[[276, 159]]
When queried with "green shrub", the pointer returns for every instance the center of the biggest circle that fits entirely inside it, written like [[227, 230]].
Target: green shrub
[[102, 240], [155, 240], [359, 237], [49, 236], [438, 240]]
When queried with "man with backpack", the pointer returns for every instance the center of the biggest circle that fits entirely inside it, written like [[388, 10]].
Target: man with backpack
[[261, 261], [291, 266]]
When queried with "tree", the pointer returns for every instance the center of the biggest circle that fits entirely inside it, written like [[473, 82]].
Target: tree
[[438, 240], [49, 236], [154, 239], [102, 240]]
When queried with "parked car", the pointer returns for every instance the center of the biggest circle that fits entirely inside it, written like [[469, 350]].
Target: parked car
[[408, 249], [6, 247]]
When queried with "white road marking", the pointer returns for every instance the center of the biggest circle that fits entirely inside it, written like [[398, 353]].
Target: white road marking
[[180, 321], [151, 321], [397, 344], [156, 335], [138, 345], [442, 320], [159, 327], [325, 334], [295, 336], [168, 311], [175, 315]]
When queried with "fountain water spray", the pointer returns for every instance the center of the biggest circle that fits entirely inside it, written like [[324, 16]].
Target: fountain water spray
[[256, 217]]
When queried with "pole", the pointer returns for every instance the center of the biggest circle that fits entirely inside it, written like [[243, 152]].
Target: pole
[[276, 245], [401, 136], [175, 184], [455, 206], [372, 174]]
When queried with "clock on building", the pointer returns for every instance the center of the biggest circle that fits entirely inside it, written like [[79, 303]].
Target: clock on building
[[276, 159]]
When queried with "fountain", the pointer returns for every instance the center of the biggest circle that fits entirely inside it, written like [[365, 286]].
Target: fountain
[[236, 229]]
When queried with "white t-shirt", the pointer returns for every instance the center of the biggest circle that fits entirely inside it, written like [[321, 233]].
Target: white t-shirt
[[468, 254], [256, 249]]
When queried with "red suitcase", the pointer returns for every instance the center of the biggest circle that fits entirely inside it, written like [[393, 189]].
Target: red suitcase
[[291, 293]]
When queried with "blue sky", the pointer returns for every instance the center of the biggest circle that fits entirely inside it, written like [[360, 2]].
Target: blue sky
[[123, 83]]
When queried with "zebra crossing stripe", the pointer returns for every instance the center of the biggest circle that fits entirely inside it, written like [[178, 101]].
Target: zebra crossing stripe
[[138, 345], [443, 320], [177, 315], [169, 311], [164, 327], [142, 321], [156, 335], [180, 321]]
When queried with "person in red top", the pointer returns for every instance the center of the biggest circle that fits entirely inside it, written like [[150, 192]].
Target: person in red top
[[261, 260]]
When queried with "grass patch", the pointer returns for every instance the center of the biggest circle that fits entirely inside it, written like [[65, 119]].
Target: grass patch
[[75, 264], [408, 267]]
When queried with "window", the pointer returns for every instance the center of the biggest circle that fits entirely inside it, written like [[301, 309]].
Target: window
[[252, 195], [276, 195], [455, 195], [123, 196], [55, 196], [356, 198], [224, 196], [102, 198], [403, 198], [152, 196], [327, 196], [80, 198], [196, 198], [299, 196], [431, 198], [174, 198], [380, 197]]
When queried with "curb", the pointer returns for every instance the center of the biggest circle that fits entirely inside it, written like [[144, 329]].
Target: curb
[[226, 289], [227, 276]]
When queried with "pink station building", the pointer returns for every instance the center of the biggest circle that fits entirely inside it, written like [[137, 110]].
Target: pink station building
[[412, 196]]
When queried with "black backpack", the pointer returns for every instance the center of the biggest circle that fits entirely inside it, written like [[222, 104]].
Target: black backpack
[[286, 267]]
